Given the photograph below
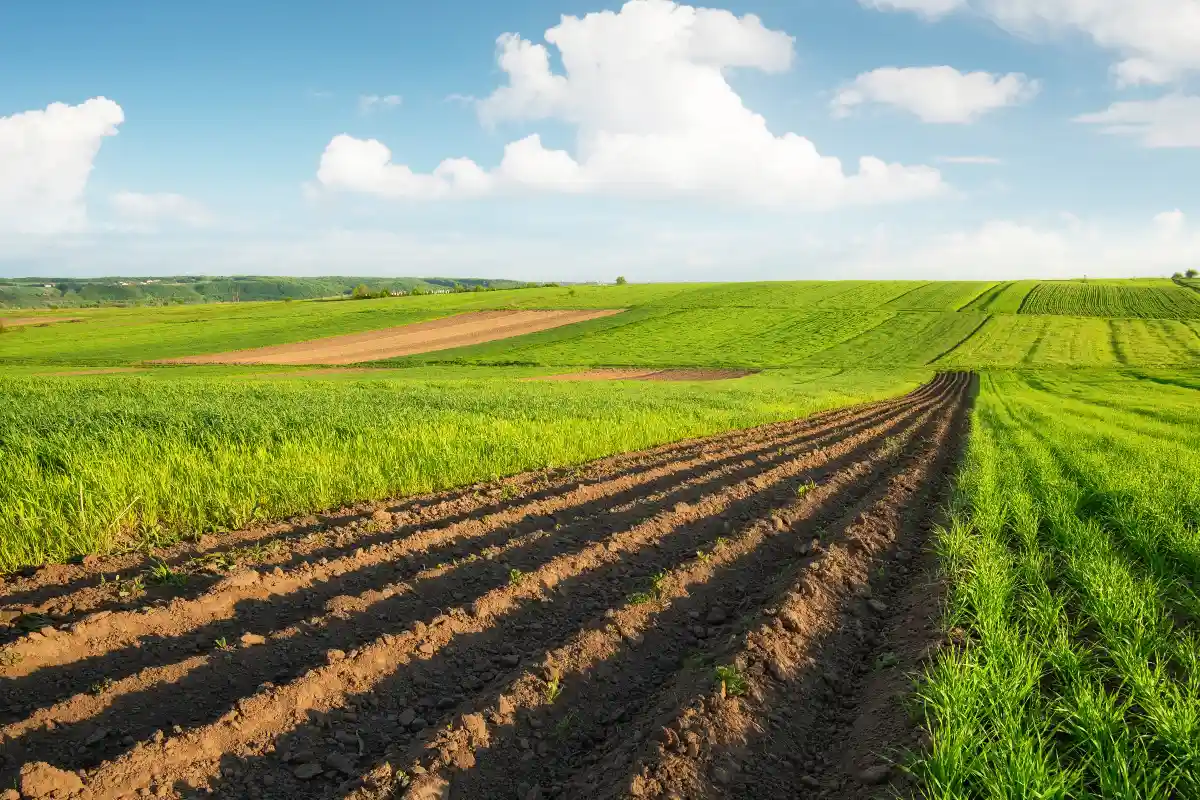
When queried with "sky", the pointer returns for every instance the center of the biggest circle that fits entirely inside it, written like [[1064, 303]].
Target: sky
[[579, 140]]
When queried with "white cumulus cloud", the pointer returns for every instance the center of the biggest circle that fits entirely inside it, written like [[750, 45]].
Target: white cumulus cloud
[[1169, 121], [926, 8], [46, 157], [152, 209], [645, 89], [1157, 41], [936, 94]]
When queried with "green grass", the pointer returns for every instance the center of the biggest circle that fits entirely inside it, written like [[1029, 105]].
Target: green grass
[[1159, 300], [1023, 340], [907, 338], [89, 464], [1073, 554], [747, 337], [941, 296], [1003, 298]]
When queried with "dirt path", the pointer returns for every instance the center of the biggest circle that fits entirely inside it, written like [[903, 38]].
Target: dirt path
[[529, 639], [459, 330]]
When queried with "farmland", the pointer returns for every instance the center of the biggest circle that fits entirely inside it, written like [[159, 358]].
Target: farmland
[[697, 541], [1072, 552], [1099, 299]]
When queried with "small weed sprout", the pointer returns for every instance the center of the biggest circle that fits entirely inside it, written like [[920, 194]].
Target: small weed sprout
[[516, 577], [553, 687], [222, 644], [160, 573], [508, 491], [564, 725], [805, 487], [101, 686], [733, 683], [657, 584]]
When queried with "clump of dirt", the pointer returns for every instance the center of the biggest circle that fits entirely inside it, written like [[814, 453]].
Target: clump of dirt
[[459, 330], [724, 617]]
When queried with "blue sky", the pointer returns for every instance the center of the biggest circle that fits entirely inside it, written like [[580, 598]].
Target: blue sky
[[239, 138]]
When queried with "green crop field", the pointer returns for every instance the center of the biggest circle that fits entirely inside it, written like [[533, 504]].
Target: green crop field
[[906, 338], [1108, 299], [942, 296], [1003, 298], [1070, 552], [1072, 557], [87, 463]]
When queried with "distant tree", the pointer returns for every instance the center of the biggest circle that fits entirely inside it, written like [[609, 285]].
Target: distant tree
[[417, 290], [362, 291], [621, 280], [1177, 276], [477, 287], [1191, 273]]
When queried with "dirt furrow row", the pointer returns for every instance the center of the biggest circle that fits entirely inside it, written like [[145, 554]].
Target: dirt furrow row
[[821, 710], [195, 755], [316, 584], [548, 728], [438, 524], [65, 592]]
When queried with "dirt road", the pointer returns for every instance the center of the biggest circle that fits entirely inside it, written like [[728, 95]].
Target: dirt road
[[555, 635]]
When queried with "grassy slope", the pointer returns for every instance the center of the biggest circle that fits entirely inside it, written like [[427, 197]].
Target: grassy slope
[[1162, 300], [1072, 555], [1003, 298], [85, 460]]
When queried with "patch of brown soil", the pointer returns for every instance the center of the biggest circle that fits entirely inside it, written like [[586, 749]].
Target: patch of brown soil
[[650, 375], [529, 638], [460, 330], [22, 322]]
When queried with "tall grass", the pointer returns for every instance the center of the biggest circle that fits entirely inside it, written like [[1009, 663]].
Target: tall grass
[[1072, 555], [88, 464]]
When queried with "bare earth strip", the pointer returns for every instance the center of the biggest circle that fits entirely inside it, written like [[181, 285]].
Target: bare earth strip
[[551, 636], [460, 330], [20, 322], [650, 375]]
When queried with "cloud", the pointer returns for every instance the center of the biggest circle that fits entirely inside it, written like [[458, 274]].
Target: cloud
[[46, 157], [371, 102], [1158, 41], [1169, 121], [1170, 223], [977, 160], [936, 94], [926, 8], [1001, 249], [148, 210], [645, 89]]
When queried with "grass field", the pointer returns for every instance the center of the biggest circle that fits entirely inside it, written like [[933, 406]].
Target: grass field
[[88, 463], [1003, 298], [1073, 555], [1164, 300], [1069, 664]]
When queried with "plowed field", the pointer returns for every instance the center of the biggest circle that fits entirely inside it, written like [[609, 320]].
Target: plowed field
[[459, 330], [724, 617]]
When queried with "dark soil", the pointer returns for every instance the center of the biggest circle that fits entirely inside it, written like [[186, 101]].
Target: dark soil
[[557, 634]]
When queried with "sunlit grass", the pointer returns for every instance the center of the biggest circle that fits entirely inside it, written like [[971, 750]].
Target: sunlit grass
[[1071, 555], [89, 463]]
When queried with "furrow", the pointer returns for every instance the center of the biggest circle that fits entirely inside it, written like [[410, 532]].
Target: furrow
[[613, 668], [196, 755]]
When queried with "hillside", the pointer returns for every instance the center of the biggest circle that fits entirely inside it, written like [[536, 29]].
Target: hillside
[[178, 290]]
